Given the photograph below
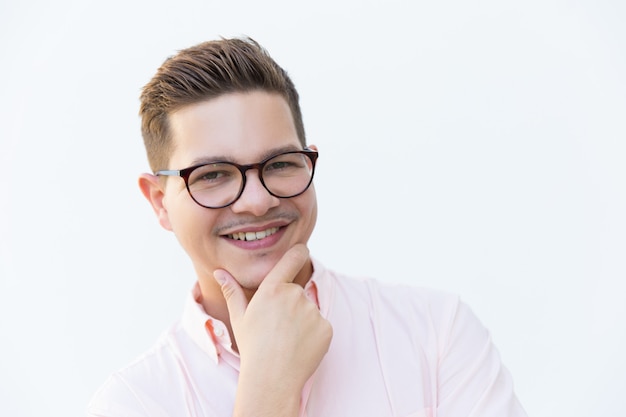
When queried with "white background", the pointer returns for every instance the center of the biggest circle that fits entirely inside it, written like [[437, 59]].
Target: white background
[[472, 146]]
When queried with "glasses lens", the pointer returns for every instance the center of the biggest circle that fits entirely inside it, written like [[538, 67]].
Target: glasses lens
[[288, 175], [215, 185]]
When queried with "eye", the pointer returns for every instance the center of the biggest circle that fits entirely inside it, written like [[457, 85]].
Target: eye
[[285, 163], [212, 175], [274, 165]]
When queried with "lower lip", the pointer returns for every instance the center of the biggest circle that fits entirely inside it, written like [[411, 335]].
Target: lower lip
[[260, 243]]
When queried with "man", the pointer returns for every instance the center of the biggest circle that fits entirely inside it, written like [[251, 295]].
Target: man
[[267, 330]]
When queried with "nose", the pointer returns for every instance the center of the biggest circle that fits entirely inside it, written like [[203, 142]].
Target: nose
[[255, 198]]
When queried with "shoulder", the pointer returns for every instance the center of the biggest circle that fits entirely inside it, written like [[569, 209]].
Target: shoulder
[[397, 298], [129, 390], [442, 314]]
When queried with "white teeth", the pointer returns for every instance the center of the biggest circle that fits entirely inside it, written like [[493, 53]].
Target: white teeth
[[253, 235]]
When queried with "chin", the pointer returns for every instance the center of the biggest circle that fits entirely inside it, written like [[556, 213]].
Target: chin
[[253, 274]]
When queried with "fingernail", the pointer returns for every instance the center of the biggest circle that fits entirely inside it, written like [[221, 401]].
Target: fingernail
[[219, 276]]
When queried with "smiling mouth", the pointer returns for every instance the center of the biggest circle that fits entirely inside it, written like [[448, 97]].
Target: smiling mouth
[[250, 236]]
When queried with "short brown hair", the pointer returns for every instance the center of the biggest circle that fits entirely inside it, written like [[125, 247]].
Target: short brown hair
[[203, 72]]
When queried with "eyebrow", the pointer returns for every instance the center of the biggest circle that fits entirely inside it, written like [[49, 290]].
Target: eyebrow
[[265, 155]]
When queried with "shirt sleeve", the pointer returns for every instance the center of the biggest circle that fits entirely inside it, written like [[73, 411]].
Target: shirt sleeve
[[116, 398], [471, 378]]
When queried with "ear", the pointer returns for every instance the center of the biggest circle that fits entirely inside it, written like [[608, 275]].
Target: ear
[[153, 189]]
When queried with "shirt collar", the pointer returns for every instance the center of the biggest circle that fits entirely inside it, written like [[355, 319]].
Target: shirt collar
[[194, 323]]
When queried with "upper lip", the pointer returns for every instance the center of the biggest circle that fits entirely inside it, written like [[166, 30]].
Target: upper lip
[[254, 228]]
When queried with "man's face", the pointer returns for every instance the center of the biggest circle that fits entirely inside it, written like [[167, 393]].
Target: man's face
[[244, 128]]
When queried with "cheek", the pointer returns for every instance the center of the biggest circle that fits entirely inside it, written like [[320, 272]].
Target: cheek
[[313, 202], [309, 212], [188, 220], [193, 230]]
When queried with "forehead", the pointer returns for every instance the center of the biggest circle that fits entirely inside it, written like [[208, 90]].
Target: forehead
[[241, 127]]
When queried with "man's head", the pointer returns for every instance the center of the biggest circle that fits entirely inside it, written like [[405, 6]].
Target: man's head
[[204, 72], [210, 109]]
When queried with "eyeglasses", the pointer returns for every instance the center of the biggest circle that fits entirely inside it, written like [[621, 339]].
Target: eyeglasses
[[219, 184]]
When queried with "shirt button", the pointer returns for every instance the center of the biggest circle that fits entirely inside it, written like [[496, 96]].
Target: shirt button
[[219, 332]]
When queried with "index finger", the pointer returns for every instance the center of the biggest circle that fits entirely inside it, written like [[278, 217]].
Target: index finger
[[288, 266]]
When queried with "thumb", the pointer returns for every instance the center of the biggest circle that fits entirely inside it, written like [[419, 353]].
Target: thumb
[[236, 300]]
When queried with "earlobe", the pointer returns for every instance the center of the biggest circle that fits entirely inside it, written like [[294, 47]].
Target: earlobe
[[152, 188]]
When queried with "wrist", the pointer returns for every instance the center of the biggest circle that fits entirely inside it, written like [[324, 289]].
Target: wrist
[[262, 396]]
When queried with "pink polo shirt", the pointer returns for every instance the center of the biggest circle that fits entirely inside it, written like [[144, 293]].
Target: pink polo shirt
[[396, 351]]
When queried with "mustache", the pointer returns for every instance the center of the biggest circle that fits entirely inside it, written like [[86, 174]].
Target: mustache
[[253, 220]]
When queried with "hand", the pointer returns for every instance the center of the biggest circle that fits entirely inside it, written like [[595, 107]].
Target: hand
[[281, 337]]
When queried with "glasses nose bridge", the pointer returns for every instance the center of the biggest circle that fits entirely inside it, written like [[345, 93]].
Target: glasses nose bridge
[[245, 168]]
